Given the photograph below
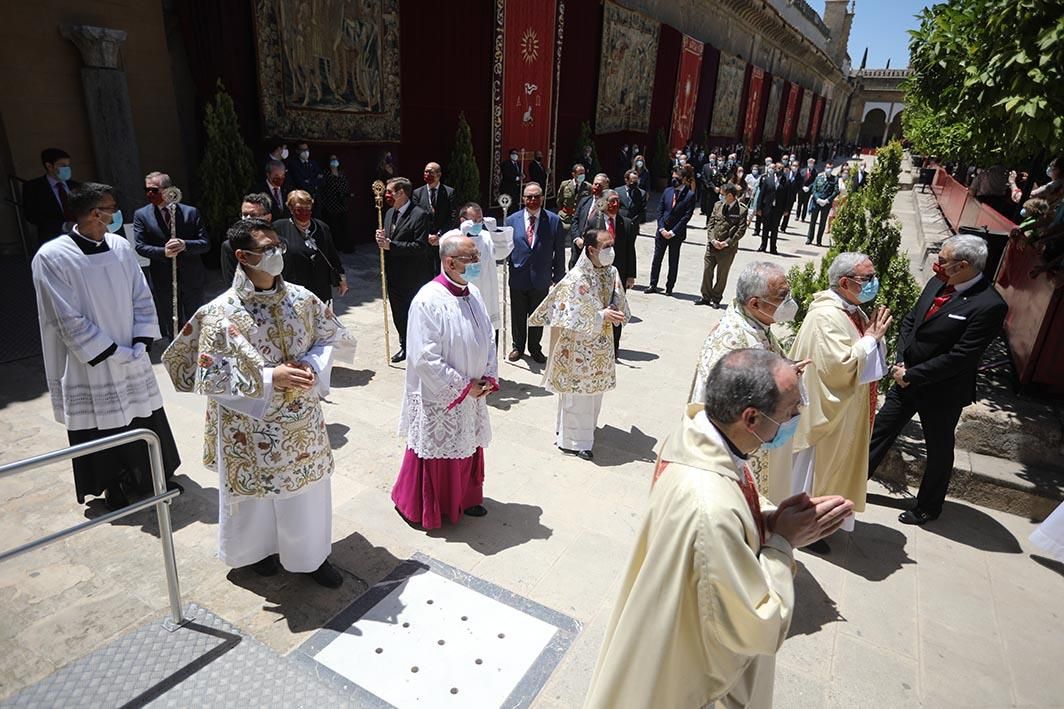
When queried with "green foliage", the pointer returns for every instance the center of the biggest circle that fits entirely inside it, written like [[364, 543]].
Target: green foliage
[[585, 138], [660, 164], [986, 77], [227, 167], [462, 172], [864, 223]]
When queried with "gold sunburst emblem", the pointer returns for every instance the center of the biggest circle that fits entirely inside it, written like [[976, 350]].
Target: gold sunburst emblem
[[529, 46]]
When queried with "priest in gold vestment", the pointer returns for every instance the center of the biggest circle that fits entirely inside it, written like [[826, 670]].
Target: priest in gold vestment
[[708, 594]]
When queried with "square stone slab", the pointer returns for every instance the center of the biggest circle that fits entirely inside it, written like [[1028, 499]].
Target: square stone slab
[[432, 635]]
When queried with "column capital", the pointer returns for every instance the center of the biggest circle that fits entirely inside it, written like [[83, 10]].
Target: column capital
[[98, 45]]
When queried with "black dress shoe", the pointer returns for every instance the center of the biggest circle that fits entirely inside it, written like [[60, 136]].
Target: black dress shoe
[[818, 547], [703, 301], [916, 516], [475, 511], [652, 289], [171, 485], [668, 291], [808, 242], [266, 567], [399, 356], [538, 357], [774, 253], [583, 455], [761, 249], [327, 576], [114, 498]]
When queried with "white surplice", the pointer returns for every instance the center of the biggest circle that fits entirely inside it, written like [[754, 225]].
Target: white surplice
[[450, 341], [87, 303], [493, 244]]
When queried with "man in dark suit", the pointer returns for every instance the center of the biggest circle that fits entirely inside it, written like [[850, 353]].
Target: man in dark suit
[[633, 199], [676, 209], [623, 231], [254, 206], [512, 176], [44, 198], [586, 216], [940, 345], [790, 175], [536, 171], [437, 199], [770, 203], [407, 259], [808, 177], [154, 239], [277, 186], [306, 174], [536, 263]]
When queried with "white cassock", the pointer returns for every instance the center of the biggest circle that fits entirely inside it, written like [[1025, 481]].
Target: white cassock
[[270, 447], [1050, 534], [494, 243]]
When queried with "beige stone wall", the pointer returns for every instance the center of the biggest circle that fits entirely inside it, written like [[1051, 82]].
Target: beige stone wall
[[41, 97]]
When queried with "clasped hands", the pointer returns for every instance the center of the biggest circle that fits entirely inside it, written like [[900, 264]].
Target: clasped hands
[[612, 316], [294, 375], [666, 234], [173, 247], [802, 520], [479, 388]]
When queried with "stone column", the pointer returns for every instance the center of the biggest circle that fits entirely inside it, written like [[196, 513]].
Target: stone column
[[114, 140]]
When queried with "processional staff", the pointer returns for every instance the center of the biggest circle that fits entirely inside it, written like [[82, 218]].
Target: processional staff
[[171, 198], [378, 198], [505, 201]]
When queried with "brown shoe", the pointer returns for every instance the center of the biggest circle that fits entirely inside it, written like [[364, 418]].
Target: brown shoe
[[513, 356]]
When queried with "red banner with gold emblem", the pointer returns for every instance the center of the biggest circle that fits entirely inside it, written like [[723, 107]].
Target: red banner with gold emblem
[[753, 104], [791, 115], [528, 75], [814, 125], [687, 79]]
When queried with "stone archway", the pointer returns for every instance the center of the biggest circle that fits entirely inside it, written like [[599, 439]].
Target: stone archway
[[895, 129], [872, 128]]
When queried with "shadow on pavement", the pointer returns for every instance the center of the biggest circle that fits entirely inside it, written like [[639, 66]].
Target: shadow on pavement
[[337, 434], [614, 446], [195, 504], [507, 525], [814, 608], [636, 355], [302, 603], [343, 378], [1051, 564], [872, 551], [967, 525], [511, 392]]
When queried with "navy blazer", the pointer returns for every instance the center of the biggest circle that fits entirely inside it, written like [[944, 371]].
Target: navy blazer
[[675, 219], [542, 264], [942, 353], [150, 237]]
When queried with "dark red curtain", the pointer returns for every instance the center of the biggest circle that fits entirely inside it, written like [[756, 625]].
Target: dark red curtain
[[707, 90], [670, 45], [581, 49]]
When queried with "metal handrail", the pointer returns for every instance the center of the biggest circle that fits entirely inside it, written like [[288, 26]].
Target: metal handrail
[[161, 501]]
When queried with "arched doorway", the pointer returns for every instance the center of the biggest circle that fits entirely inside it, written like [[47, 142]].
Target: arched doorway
[[895, 130], [872, 127]]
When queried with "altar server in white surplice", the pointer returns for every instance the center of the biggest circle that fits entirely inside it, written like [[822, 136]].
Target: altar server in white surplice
[[97, 323], [494, 243]]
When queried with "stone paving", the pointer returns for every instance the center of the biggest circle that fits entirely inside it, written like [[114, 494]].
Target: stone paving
[[960, 613]]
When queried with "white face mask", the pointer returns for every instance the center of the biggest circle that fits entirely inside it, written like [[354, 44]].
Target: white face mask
[[304, 155], [271, 263], [606, 256], [786, 310], [284, 154]]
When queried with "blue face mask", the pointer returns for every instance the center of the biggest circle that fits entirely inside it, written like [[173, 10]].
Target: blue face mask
[[472, 272], [64, 173], [476, 229], [869, 290], [783, 433], [334, 163], [1023, 214], [116, 222]]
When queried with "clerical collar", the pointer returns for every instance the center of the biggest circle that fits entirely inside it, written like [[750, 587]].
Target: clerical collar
[[850, 307], [713, 432], [88, 246], [458, 291]]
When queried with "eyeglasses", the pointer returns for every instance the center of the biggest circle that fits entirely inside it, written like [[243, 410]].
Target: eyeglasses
[[151, 190], [533, 197], [467, 259], [862, 279], [280, 246]]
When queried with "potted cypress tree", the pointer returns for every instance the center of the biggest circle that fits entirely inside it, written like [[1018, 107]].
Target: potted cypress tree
[[462, 172], [227, 167]]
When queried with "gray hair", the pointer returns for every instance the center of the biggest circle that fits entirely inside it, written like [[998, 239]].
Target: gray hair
[[600, 203], [754, 279], [603, 176], [164, 179], [451, 245], [845, 265], [741, 379], [967, 247]]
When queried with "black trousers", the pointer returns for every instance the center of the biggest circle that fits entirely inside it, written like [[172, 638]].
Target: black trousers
[[399, 298], [803, 205], [522, 304], [662, 244], [772, 229], [786, 218], [939, 424], [617, 330], [189, 298]]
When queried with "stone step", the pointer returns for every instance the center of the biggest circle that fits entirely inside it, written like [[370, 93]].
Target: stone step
[[1031, 491]]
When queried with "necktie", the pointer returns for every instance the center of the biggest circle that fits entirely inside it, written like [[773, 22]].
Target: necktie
[[61, 190], [750, 493], [164, 218], [609, 226], [395, 218], [675, 196], [277, 196], [940, 300], [530, 235], [432, 199]]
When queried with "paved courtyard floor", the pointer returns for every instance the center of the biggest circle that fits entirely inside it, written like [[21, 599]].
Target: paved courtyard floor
[[960, 613]]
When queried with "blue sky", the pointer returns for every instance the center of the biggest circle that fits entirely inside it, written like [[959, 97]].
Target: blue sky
[[882, 26]]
